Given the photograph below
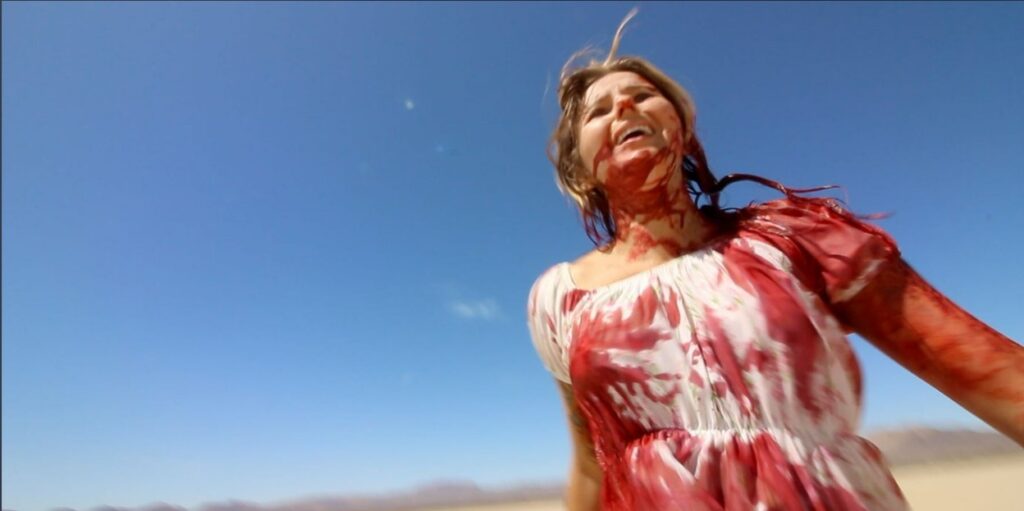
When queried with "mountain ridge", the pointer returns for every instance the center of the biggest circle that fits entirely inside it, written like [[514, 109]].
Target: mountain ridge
[[900, 446]]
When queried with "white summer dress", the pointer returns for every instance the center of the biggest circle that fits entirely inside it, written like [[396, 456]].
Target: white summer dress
[[721, 379]]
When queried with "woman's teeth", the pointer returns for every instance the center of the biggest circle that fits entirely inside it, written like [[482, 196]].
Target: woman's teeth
[[632, 132]]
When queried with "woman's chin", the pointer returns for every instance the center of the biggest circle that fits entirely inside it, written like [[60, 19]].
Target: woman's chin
[[636, 154]]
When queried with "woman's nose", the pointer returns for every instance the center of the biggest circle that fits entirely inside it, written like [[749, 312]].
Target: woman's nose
[[624, 103]]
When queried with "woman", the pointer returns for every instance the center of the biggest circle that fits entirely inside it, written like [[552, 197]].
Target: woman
[[701, 352]]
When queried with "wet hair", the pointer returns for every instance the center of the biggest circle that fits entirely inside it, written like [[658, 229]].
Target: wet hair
[[577, 182]]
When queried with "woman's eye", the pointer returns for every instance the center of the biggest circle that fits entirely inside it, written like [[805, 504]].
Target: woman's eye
[[597, 112], [642, 96]]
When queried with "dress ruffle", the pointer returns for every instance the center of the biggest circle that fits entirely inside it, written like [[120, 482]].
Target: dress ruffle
[[721, 379]]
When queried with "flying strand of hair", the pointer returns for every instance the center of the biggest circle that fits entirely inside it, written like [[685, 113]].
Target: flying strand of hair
[[618, 36]]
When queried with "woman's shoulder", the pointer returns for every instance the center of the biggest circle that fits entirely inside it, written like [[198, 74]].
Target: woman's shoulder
[[823, 237], [548, 285], [562, 274], [557, 283], [587, 268], [814, 220], [800, 210]]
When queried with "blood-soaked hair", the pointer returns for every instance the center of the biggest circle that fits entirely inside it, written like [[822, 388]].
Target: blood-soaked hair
[[577, 182]]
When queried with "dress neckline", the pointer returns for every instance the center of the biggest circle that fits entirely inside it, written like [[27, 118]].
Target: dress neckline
[[711, 244]]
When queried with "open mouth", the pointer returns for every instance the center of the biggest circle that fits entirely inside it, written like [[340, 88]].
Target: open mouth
[[634, 133]]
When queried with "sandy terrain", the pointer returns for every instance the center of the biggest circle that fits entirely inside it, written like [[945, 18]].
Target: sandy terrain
[[541, 505], [990, 483], [994, 483]]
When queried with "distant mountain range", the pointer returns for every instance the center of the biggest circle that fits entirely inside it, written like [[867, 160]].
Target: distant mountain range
[[908, 446], [434, 495], [901, 447]]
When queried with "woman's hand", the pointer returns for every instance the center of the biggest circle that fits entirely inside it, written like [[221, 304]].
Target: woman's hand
[[925, 332], [583, 491]]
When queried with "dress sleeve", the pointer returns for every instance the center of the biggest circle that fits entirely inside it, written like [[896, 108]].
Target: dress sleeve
[[544, 319], [840, 251]]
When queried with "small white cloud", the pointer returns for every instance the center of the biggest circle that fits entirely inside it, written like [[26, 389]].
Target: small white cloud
[[409, 104], [481, 309]]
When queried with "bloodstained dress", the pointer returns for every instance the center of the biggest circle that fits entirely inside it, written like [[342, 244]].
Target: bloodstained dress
[[721, 379]]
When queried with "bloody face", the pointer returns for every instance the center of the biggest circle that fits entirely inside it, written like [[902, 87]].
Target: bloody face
[[630, 136]]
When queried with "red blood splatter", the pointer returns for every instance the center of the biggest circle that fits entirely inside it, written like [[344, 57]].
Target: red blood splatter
[[784, 317], [718, 354], [594, 372], [745, 469], [734, 476], [571, 299], [927, 333], [671, 303], [636, 204]]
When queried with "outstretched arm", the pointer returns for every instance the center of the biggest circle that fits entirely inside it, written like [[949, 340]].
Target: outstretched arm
[[925, 332]]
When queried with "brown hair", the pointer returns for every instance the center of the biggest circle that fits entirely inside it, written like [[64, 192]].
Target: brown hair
[[577, 182], [563, 150]]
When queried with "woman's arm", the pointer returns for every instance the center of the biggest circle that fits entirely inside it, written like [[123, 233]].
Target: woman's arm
[[584, 485], [925, 332]]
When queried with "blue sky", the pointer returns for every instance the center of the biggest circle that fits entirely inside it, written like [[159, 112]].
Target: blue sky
[[261, 251]]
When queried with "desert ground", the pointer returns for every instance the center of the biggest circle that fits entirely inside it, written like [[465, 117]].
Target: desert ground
[[995, 483], [992, 483]]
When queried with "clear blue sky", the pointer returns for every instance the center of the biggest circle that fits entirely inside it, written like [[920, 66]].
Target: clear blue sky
[[261, 251]]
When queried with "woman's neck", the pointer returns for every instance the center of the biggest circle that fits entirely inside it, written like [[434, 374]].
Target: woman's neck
[[662, 236], [657, 223]]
